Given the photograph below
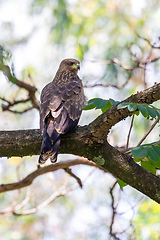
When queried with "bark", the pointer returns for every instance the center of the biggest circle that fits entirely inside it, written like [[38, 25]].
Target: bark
[[91, 142]]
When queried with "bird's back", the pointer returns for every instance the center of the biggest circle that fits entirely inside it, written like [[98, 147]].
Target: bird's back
[[62, 102]]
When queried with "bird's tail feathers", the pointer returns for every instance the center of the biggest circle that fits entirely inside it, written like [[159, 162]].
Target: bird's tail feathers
[[50, 146]]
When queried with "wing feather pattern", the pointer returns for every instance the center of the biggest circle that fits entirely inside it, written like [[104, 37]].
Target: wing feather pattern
[[61, 107]]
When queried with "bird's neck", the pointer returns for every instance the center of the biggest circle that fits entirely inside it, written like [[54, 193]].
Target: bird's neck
[[66, 74]]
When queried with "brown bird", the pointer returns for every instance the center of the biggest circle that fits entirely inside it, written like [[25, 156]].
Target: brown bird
[[62, 101]]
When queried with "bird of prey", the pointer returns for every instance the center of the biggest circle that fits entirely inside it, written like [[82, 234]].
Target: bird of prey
[[62, 101]]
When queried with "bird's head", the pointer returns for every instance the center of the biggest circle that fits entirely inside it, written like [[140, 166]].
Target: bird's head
[[70, 64]]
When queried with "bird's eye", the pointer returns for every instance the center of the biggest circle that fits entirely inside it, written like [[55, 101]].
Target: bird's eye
[[70, 63]]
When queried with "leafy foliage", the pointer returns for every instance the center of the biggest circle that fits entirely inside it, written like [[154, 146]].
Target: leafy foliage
[[151, 150], [147, 110], [148, 154], [99, 103]]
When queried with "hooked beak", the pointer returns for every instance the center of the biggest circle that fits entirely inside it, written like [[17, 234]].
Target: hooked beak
[[78, 66]]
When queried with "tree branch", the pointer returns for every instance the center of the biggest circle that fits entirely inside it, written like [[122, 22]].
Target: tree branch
[[100, 127], [90, 142], [148, 132], [114, 212], [148, 41], [6, 107], [31, 89], [138, 64], [69, 171], [50, 168]]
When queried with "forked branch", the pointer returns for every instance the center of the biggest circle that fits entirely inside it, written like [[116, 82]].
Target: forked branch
[[50, 168]]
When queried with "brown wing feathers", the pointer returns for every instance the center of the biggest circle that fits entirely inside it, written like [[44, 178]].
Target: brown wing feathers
[[62, 102]]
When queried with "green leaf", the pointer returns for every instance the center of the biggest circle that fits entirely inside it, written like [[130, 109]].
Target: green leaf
[[151, 111], [97, 101], [100, 103], [140, 151], [148, 166], [137, 159], [142, 109], [155, 164], [152, 153], [113, 102], [90, 105], [158, 113], [132, 107], [106, 107], [137, 113], [121, 183], [156, 148], [122, 105]]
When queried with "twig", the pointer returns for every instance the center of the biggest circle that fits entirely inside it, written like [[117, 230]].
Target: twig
[[105, 85], [129, 133], [52, 167], [12, 103], [59, 193], [145, 39], [108, 62], [148, 132], [113, 213], [25, 201], [7, 72], [20, 112], [56, 194], [69, 171], [114, 60], [143, 63], [137, 64], [31, 89]]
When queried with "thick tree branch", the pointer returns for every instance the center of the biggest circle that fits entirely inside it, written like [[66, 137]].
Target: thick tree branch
[[27, 142], [100, 126], [90, 142]]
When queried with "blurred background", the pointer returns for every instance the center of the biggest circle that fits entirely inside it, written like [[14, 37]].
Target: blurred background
[[38, 34]]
